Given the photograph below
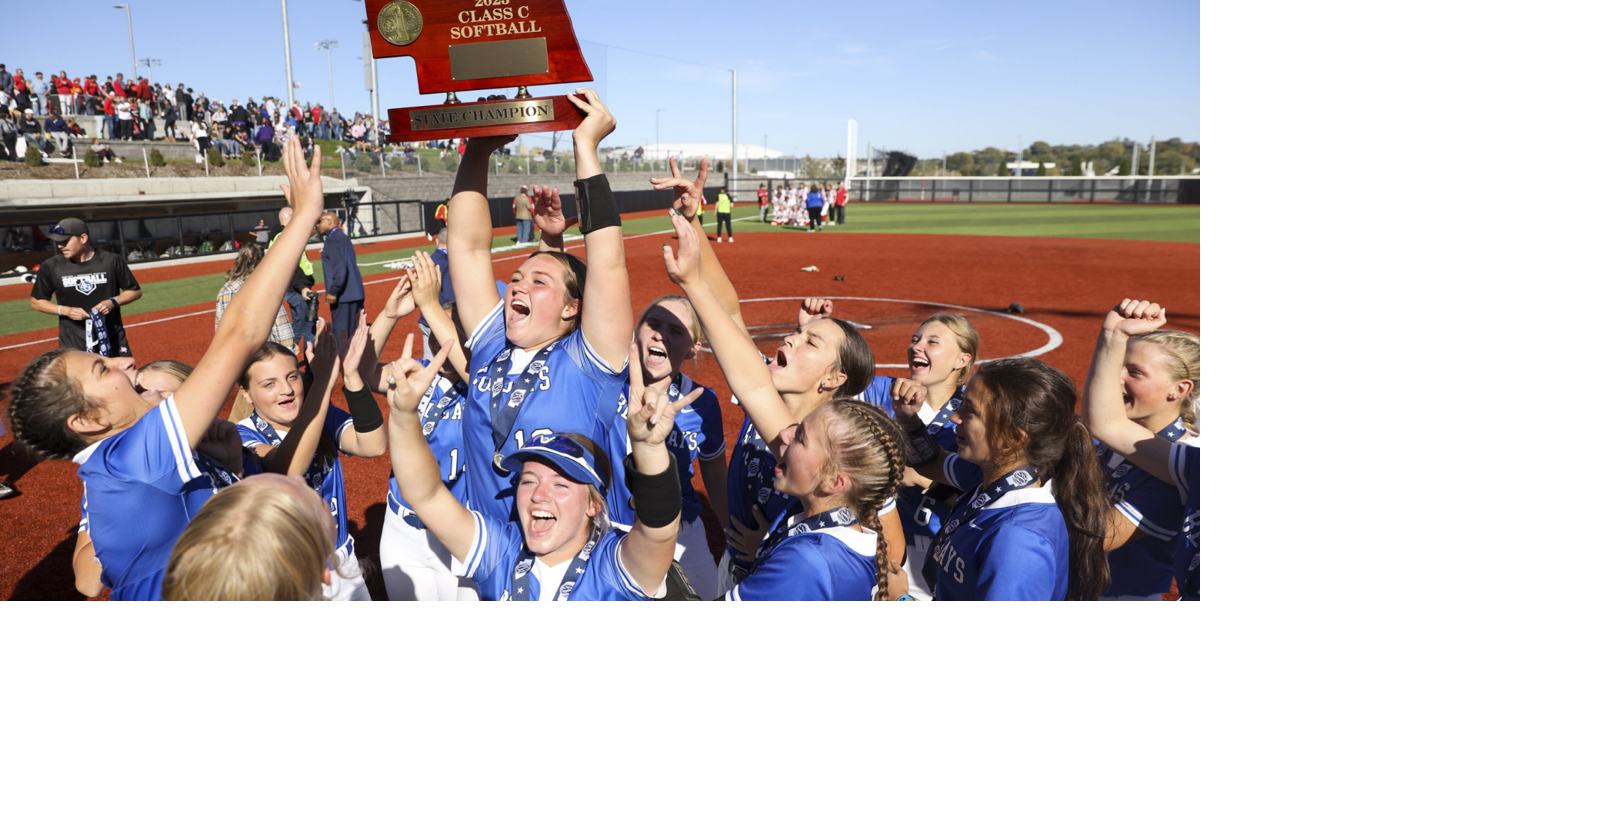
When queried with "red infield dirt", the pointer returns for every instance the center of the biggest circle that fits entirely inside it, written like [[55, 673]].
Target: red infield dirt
[[1065, 285]]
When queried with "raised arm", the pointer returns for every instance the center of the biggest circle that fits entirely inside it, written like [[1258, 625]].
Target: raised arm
[[658, 499], [925, 457], [354, 353], [415, 468], [714, 472], [400, 304], [1103, 411], [686, 200], [471, 232], [425, 280], [550, 219], [247, 323], [736, 353], [607, 315]]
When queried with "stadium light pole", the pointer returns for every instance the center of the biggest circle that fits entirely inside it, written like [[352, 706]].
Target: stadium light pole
[[657, 155], [133, 62], [733, 162], [328, 47], [288, 65]]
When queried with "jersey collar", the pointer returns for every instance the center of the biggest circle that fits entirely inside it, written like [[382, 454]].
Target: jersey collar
[[861, 542], [87, 452], [1025, 496]]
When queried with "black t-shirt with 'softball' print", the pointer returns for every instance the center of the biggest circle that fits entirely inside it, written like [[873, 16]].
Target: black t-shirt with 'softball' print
[[84, 284]]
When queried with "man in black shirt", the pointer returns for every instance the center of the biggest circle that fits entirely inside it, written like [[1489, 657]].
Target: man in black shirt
[[85, 282]]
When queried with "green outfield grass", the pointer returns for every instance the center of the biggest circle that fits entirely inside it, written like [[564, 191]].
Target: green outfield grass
[[1161, 224], [1081, 221]]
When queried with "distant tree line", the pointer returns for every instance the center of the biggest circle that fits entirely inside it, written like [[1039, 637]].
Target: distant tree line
[[1174, 156]]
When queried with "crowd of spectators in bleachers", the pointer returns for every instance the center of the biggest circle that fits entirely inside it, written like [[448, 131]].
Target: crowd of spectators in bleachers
[[37, 111]]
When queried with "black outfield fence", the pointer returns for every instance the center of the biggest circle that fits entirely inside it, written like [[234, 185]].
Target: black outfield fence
[[1030, 190]]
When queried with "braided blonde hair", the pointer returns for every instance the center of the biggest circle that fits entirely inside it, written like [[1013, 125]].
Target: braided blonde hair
[[868, 447]]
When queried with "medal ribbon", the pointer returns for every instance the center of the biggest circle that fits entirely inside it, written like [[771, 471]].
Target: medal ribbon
[[504, 408], [840, 517], [569, 581], [966, 510]]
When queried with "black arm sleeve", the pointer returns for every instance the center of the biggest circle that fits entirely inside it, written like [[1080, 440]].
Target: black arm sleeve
[[657, 499], [364, 411]]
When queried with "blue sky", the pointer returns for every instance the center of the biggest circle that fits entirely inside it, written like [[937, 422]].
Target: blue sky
[[925, 77]]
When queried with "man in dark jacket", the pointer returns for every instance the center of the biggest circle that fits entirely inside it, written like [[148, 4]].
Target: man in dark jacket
[[340, 274]]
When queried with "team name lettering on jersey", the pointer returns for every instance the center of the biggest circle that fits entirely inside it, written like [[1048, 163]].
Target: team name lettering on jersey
[[85, 283]]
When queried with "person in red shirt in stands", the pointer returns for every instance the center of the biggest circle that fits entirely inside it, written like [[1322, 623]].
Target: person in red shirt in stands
[[143, 89], [118, 86]]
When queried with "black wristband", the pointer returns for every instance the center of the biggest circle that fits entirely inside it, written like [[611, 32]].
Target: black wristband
[[364, 409], [597, 210], [657, 499]]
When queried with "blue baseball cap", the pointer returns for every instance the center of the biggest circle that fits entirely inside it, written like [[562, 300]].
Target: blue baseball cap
[[566, 455]]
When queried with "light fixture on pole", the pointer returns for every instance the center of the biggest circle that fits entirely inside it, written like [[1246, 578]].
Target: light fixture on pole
[[149, 62], [129, 7], [329, 46]]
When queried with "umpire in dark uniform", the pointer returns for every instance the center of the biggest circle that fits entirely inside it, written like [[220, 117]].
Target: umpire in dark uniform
[[341, 275]]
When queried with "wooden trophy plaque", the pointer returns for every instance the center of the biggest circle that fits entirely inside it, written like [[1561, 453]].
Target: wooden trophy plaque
[[461, 45]]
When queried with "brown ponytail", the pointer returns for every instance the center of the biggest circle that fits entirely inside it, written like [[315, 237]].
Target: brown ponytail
[[1031, 414], [1081, 495]]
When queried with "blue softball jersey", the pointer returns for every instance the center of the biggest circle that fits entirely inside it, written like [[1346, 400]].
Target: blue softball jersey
[[573, 390], [696, 435], [1145, 566], [1014, 549], [496, 561], [1184, 464], [148, 483], [443, 434], [828, 564]]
